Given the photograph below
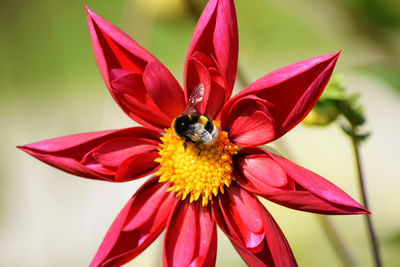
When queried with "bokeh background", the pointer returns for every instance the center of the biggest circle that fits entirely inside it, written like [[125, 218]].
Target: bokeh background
[[50, 87]]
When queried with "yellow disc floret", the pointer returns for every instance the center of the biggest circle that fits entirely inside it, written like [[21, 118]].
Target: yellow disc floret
[[196, 172]]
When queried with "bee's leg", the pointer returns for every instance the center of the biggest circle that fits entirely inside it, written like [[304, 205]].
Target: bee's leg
[[196, 145], [185, 143]]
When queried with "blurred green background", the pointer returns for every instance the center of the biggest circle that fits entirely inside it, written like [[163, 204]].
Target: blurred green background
[[50, 86]]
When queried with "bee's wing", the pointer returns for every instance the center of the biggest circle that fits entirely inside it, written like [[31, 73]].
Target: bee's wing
[[197, 132], [195, 97], [205, 137]]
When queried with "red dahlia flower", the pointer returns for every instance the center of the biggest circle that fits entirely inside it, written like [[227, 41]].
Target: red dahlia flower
[[218, 185]]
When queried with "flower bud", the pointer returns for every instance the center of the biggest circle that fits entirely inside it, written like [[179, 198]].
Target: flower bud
[[166, 8], [323, 113]]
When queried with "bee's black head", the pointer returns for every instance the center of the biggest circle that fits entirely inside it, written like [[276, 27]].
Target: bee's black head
[[182, 123]]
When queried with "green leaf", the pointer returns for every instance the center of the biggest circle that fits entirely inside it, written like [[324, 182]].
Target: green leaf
[[358, 116], [333, 93], [362, 137], [323, 113], [346, 129]]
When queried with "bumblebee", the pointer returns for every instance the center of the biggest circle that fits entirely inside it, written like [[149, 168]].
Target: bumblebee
[[192, 127]]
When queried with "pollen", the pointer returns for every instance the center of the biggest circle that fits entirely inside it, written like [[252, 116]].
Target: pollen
[[196, 173]]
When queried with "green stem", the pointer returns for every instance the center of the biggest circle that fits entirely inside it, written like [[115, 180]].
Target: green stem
[[361, 181]]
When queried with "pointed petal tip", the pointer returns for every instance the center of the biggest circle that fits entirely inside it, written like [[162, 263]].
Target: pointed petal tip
[[331, 56], [357, 212], [90, 14], [88, 10], [24, 148], [357, 209], [337, 53], [364, 211], [334, 56]]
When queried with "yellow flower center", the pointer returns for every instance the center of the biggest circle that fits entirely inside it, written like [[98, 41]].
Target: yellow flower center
[[198, 172]]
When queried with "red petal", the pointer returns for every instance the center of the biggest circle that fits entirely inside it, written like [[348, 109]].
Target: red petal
[[164, 89], [291, 91], [218, 100], [260, 169], [248, 122], [190, 237], [242, 216], [305, 190], [318, 185], [252, 230], [137, 225], [200, 75], [137, 166], [131, 92], [216, 39], [114, 50], [107, 157], [72, 153]]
